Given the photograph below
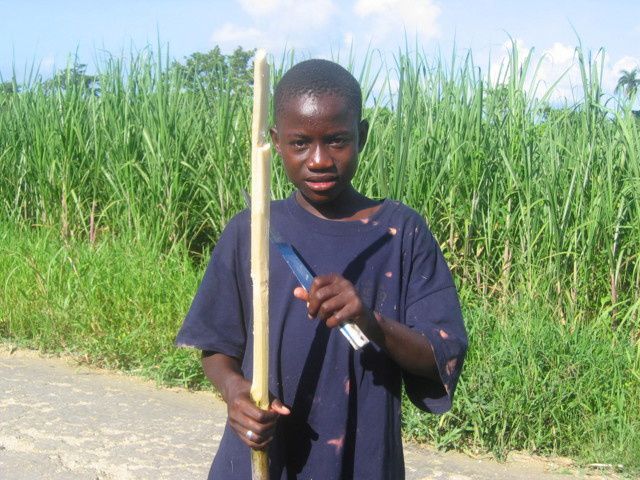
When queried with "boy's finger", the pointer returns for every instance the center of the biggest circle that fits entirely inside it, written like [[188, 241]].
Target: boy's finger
[[259, 431], [260, 444], [253, 439], [245, 406], [263, 445], [261, 416], [325, 300], [337, 319], [301, 293], [345, 314], [322, 280], [330, 307], [278, 407]]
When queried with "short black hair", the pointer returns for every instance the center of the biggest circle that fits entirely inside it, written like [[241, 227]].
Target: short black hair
[[318, 77]]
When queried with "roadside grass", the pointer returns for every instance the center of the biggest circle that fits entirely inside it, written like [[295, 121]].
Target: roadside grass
[[550, 387], [117, 304]]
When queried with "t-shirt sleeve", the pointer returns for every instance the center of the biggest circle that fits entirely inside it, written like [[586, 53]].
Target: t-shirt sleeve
[[433, 309], [215, 321]]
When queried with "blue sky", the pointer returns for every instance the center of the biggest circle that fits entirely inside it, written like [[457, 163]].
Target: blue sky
[[46, 32]]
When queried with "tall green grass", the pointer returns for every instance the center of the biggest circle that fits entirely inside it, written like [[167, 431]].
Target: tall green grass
[[115, 304], [546, 386], [106, 199], [516, 191]]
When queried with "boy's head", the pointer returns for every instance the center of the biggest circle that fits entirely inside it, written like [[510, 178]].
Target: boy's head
[[317, 78], [319, 131]]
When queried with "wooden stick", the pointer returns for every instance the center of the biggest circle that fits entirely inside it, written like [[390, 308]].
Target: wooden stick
[[260, 210]]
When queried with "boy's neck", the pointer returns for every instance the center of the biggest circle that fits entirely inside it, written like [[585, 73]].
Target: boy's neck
[[350, 205]]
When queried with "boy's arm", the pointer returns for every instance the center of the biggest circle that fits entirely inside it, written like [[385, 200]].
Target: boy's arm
[[225, 374], [410, 349], [334, 299]]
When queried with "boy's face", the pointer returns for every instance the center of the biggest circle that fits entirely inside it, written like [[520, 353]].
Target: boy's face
[[319, 140]]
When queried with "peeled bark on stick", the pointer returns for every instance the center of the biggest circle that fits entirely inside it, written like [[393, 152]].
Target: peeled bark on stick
[[260, 211]]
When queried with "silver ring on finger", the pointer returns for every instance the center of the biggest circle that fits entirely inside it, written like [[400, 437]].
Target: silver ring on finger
[[250, 435]]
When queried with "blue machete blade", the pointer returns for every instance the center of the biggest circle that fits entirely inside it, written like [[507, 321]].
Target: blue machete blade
[[296, 264]]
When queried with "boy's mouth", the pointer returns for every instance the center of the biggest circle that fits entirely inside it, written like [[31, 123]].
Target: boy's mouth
[[319, 185]]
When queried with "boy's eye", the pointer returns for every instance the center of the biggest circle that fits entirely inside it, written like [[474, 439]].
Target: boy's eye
[[299, 143], [338, 141]]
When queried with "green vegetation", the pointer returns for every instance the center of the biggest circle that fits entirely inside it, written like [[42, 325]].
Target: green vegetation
[[115, 304], [113, 190]]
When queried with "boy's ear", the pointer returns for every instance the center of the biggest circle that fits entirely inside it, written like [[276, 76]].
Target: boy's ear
[[363, 132], [275, 140]]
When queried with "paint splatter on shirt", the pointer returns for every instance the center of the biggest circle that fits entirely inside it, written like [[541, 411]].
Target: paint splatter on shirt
[[345, 405]]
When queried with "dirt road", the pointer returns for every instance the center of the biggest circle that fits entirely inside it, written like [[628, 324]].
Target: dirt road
[[63, 421]]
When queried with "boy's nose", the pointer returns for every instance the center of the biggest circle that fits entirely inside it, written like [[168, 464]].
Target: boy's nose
[[319, 159]]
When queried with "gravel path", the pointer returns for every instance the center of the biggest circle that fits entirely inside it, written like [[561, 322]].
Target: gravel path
[[63, 421]]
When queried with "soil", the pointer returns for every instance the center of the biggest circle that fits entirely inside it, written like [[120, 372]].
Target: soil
[[63, 420]]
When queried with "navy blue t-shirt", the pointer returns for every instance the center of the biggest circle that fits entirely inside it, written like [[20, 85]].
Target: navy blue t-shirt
[[345, 405]]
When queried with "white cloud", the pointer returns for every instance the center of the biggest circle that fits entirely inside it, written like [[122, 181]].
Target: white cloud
[[259, 7], [367, 7], [612, 72], [560, 54], [232, 35], [319, 27], [556, 70], [277, 24], [625, 63], [393, 17], [501, 66]]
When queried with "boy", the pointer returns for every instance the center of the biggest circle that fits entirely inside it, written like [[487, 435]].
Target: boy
[[377, 265]]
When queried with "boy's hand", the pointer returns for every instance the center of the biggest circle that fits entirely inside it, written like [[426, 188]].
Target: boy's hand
[[245, 417], [333, 299]]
